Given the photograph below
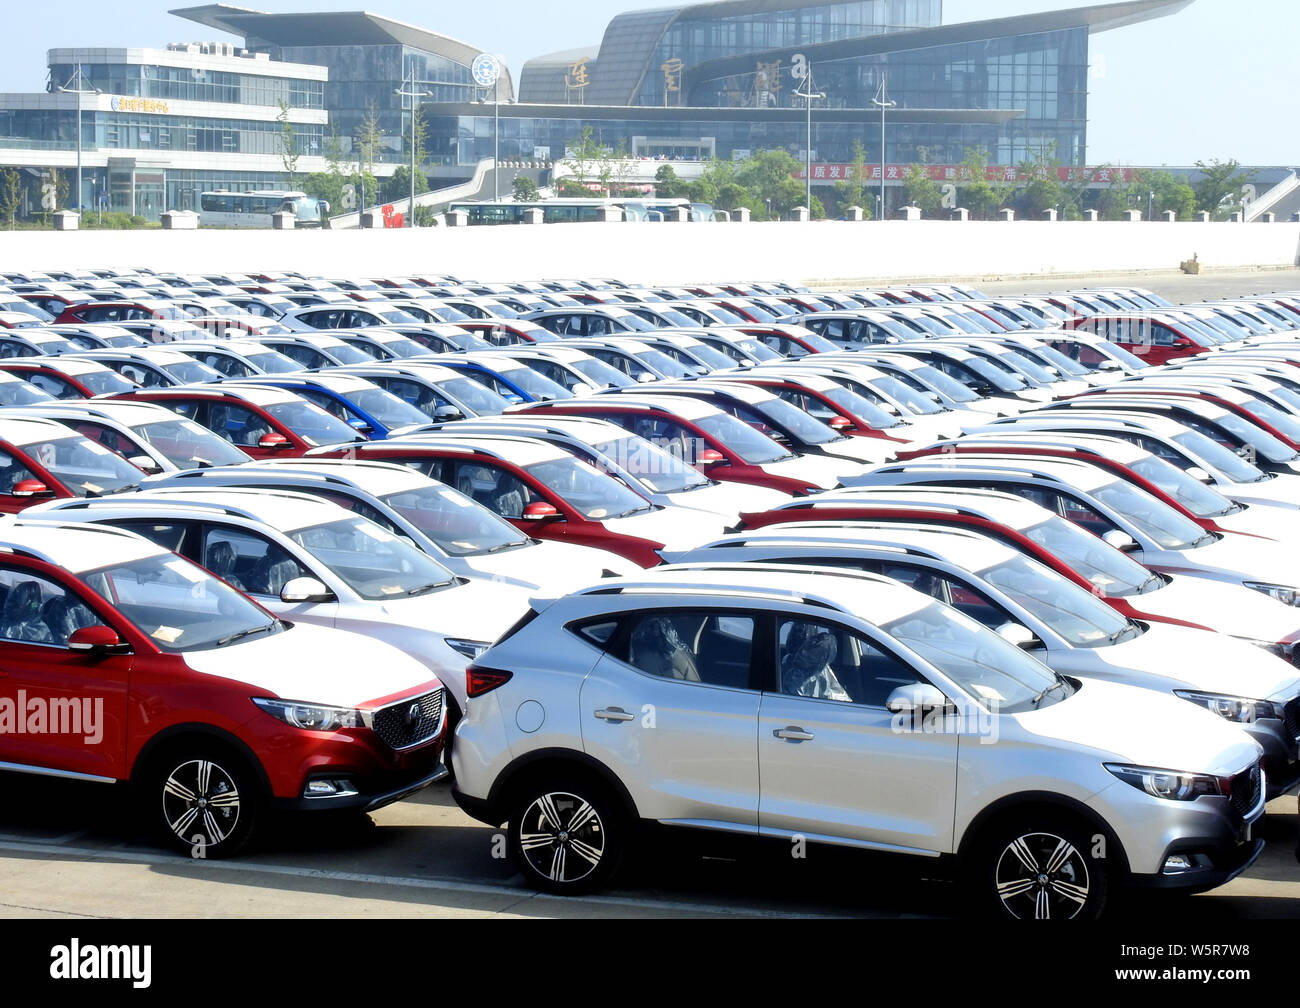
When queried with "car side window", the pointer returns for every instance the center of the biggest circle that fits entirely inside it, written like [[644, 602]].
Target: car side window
[[494, 488], [248, 561], [12, 472], [57, 387], [828, 662], [36, 610], [106, 436], [237, 424], [710, 647], [168, 535]]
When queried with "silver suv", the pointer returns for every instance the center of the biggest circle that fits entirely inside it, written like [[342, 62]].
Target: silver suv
[[755, 699]]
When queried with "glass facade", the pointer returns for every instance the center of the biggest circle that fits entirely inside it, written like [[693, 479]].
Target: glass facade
[[697, 40], [362, 77], [193, 84]]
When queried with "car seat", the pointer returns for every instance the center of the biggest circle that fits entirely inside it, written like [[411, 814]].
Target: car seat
[[271, 575], [62, 616], [658, 649], [220, 558], [22, 614], [806, 664]]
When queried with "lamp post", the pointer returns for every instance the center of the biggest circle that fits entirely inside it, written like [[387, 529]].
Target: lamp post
[[809, 95], [79, 90], [415, 97], [1151, 196], [882, 102]]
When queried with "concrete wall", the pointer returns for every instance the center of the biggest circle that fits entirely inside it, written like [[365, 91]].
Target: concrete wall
[[674, 253]]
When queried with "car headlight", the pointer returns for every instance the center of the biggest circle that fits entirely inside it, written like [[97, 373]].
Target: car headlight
[[1240, 709], [1283, 593], [1175, 785], [471, 649], [310, 717]]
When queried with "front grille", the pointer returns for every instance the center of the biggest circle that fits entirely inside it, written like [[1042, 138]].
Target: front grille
[[410, 722], [1246, 789], [1291, 718]]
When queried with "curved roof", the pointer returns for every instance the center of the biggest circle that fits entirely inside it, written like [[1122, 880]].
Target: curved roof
[[262, 29], [628, 48]]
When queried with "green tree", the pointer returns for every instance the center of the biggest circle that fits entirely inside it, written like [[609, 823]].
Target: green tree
[[769, 175], [1043, 190], [369, 137], [1121, 195], [288, 143], [667, 183], [853, 190], [975, 192], [922, 191], [1171, 193], [11, 193], [525, 190], [397, 187], [584, 156], [1219, 189]]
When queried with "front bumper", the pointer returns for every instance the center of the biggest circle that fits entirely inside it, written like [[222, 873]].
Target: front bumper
[[369, 794]]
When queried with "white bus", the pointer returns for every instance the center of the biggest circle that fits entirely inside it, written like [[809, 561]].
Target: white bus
[[254, 209]]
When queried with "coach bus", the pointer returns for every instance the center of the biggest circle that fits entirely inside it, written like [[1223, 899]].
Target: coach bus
[[570, 211], [254, 209]]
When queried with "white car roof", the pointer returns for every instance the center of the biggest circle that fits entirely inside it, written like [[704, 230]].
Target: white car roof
[[962, 546], [283, 510], [519, 450], [28, 430], [377, 477], [74, 546]]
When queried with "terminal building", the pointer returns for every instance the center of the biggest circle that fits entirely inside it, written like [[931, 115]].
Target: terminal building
[[720, 79]]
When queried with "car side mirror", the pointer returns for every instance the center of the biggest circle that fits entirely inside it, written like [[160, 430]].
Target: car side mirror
[[1120, 540], [448, 413], [911, 704], [709, 457], [145, 463], [305, 589], [274, 442], [540, 511], [839, 423], [645, 377], [357, 424], [31, 488], [1020, 636], [582, 389], [98, 640], [1197, 473]]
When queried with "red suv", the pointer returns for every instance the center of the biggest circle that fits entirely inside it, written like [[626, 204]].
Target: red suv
[[126, 662]]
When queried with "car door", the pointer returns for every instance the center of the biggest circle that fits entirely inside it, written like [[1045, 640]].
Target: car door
[[260, 567], [833, 761], [59, 709], [671, 708]]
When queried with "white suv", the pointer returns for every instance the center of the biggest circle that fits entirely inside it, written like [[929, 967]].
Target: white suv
[[756, 700]]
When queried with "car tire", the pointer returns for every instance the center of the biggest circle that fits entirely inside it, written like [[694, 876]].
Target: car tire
[[1037, 866], [566, 834], [203, 800]]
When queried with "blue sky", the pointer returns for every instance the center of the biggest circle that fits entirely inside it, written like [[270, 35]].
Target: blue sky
[[1219, 79]]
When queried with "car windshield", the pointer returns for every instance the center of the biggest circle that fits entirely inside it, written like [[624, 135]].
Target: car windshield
[[659, 470], [805, 429], [1153, 518], [21, 393], [758, 350], [1111, 572], [1072, 612], [634, 322], [271, 362], [674, 317], [537, 386], [1256, 437], [456, 523], [1287, 426], [752, 447], [725, 316], [1228, 462], [1192, 494], [371, 561], [104, 381], [403, 347], [661, 362], [447, 313], [180, 606], [396, 316], [859, 406], [346, 353], [477, 396], [586, 489], [187, 444], [945, 383], [1058, 360], [918, 402], [311, 423], [999, 675], [191, 372], [85, 467], [600, 374], [713, 359], [385, 407]]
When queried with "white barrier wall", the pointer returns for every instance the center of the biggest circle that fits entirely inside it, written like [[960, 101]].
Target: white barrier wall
[[673, 253]]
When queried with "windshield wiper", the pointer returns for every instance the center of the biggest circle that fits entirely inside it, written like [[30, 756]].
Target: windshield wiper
[[506, 545], [1038, 697], [423, 589], [221, 642], [1143, 586]]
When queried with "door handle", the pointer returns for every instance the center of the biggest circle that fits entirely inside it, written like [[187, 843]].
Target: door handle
[[793, 733], [614, 714]]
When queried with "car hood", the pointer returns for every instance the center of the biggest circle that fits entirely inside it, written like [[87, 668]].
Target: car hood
[[316, 665], [548, 565], [1169, 657], [675, 527], [727, 500], [1127, 724], [816, 470], [1220, 605]]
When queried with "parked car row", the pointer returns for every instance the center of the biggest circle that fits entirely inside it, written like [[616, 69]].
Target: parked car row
[[910, 570]]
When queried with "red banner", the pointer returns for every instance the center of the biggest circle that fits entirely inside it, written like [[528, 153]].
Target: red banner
[[958, 174]]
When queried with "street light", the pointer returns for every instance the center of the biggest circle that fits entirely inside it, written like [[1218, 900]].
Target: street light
[[80, 90], [415, 97], [882, 102], [810, 95], [1150, 199]]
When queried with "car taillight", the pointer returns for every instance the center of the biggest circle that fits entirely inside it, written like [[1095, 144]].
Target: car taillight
[[480, 680]]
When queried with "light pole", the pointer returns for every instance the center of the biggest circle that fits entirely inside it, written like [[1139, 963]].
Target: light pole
[[79, 90], [1151, 196], [496, 140], [415, 97], [809, 94], [882, 102]]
